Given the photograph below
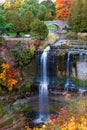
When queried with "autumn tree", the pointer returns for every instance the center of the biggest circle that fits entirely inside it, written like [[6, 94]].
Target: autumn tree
[[8, 76], [12, 4], [63, 8], [17, 4], [7, 5]]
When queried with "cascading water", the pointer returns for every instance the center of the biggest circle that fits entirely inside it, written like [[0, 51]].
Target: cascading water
[[67, 69], [43, 89], [82, 62], [67, 73], [69, 85]]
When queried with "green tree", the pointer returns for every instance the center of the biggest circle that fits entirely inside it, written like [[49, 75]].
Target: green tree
[[15, 18], [28, 19], [4, 27], [40, 28], [78, 16], [84, 17], [30, 5], [50, 9], [42, 12], [18, 24], [10, 15]]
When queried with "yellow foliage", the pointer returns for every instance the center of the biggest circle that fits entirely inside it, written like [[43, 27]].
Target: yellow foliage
[[7, 5], [8, 76], [17, 3], [67, 120], [5, 66]]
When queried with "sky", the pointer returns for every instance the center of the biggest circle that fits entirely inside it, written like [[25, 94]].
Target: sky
[[2, 1], [43, 0]]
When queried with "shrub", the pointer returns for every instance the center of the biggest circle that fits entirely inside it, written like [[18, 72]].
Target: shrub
[[26, 87], [23, 57]]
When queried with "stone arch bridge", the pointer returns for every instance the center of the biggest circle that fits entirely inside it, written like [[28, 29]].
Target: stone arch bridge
[[59, 23]]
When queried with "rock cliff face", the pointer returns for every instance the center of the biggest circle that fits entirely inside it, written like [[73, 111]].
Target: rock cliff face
[[77, 62], [82, 70], [78, 68], [7, 52], [61, 63]]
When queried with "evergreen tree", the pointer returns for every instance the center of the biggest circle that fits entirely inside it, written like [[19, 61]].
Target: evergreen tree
[[30, 5], [28, 19]]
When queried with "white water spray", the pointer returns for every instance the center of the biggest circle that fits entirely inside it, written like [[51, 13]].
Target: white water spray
[[67, 73]]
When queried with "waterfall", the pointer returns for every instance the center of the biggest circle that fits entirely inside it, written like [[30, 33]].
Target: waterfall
[[67, 69], [67, 73], [43, 89]]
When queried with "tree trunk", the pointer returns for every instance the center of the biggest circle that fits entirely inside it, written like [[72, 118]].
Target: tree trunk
[[18, 34]]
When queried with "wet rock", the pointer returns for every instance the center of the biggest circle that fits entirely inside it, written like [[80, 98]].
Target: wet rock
[[73, 89], [83, 92], [21, 102], [82, 70]]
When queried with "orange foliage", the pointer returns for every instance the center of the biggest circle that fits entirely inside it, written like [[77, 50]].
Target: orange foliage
[[8, 76], [63, 8]]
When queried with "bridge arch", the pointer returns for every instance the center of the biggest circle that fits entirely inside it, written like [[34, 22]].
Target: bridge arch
[[59, 23]]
